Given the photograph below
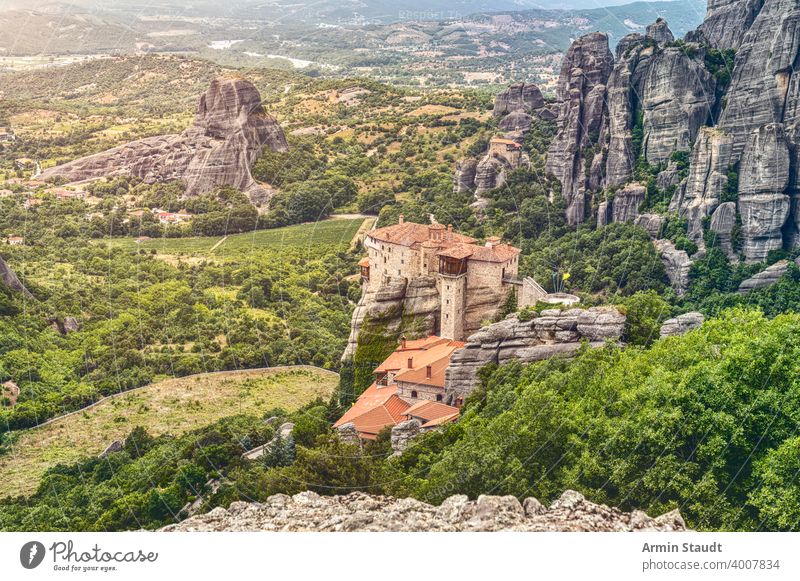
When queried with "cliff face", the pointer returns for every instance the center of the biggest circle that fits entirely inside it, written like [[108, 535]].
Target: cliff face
[[675, 97], [308, 511], [554, 333], [583, 112], [229, 132]]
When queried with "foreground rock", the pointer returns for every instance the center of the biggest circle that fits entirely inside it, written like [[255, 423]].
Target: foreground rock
[[553, 333], [230, 130], [308, 511]]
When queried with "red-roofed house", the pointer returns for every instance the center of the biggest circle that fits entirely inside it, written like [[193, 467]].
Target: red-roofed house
[[412, 375]]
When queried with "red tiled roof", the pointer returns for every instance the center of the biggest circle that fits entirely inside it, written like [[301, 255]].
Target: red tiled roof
[[437, 357], [496, 253], [375, 409], [413, 350], [364, 261], [412, 234], [433, 413]]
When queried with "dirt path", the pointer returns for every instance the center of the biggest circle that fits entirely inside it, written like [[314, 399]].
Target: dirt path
[[369, 224]]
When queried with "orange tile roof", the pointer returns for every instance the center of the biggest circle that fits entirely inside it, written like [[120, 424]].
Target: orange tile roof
[[364, 261], [438, 357], [375, 409], [413, 350], [496, 253], [412, 234], [432, 412], [505, 141]]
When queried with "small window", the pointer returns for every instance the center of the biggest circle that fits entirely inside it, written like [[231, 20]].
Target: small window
[[413, 393], [438, 397]]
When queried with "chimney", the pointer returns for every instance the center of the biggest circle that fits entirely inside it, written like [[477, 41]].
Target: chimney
[[403, 342], [410, 362], [401, 219], [449, 231], [492, 241], [428, 372]]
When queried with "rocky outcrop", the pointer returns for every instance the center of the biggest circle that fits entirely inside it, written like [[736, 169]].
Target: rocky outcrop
[[681, 324], [726, 22], [403, 433], [707, 181], [582, 95], [464, 180], [348, 433], [764, 177], [229, 132], [659, 31], [626, 202], [765, 278], [308, 511], [10, 279], [398, 299], [678, 96], [553, 333], [524, 97], [723, 222], [676, 263], [652, 223]]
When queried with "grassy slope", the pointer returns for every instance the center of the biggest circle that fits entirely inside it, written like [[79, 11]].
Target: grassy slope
[[173, 406], [335, 231]]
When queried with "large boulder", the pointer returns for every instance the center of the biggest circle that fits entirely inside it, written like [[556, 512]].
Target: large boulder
[[676, 264], [524, 97], [681, 324], [228, 134], [765, 278], [626, 202]]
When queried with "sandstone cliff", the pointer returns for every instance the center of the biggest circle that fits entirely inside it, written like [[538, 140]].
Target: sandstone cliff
[[308, 511], [229, 132]]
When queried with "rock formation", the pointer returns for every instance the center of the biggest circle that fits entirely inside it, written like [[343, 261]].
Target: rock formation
[[308, 511], [229, 132], [626, 202], [582, 94], [676, 263], [553, 333], [465, 175], [416, 300], [10, 279], [765, 278], [676, 97], [524, 97], [403, 433], [723, 222], [681, 324]]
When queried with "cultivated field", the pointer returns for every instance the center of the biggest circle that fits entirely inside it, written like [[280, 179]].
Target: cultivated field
[[330, 232], [172, 406]]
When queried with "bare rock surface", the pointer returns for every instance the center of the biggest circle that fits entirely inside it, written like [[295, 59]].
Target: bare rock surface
[[581, 92], [765, 278], [230, 130], [676, 263], [681, 324], [308, 511], [723, 222], [626, 202], [403, 433], [552, 334]]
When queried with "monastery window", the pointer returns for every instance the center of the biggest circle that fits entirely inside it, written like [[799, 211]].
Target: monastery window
[[438, 397], [398, 272], [413, 393]]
